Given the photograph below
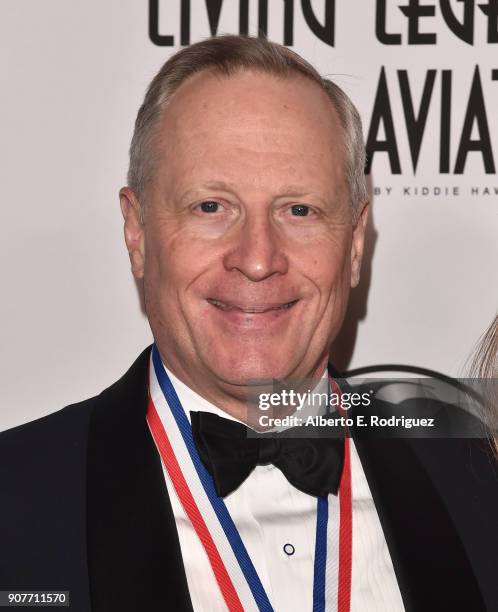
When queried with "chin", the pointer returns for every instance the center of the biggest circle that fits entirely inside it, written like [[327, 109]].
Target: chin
[[242, 369]]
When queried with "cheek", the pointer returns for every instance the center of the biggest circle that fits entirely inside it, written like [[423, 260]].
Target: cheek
[[176, 270], [163, 250], [161, 275], [329, 269], [337, 288]]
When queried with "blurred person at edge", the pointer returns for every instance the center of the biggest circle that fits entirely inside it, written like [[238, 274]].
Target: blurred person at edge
[[244, 219], [484, 367]]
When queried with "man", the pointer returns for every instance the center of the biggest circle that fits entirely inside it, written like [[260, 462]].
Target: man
[[245, 220]]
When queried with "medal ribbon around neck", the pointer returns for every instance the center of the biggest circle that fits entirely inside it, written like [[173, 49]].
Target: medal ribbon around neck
[[238, 581]]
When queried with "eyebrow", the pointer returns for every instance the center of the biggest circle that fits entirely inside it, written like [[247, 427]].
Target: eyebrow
[[288, 189], [209, 185]]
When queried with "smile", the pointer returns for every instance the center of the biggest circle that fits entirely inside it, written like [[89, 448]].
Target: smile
[[251, 308]]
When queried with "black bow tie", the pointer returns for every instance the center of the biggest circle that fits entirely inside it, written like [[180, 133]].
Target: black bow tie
[[312, 465]]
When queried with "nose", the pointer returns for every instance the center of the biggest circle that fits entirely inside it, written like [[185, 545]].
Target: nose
[[257, 250]]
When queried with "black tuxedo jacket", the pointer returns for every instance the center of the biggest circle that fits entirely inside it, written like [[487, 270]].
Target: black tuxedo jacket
[[84, 508]]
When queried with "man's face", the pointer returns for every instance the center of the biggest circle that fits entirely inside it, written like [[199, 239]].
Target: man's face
[[248, 251]]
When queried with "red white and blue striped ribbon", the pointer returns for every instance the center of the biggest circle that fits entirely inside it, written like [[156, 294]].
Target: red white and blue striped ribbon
[[237, 578]]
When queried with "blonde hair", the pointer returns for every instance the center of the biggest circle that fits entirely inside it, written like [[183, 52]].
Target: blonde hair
[[484, 366], [226, 55]]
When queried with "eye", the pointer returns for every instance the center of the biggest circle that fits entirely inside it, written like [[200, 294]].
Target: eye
[[209, 206], [300, 210]]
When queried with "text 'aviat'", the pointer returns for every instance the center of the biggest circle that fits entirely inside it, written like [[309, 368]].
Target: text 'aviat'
[[473, 135], [459, 16]]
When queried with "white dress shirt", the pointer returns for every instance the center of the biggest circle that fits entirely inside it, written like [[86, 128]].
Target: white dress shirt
[[269, 514]]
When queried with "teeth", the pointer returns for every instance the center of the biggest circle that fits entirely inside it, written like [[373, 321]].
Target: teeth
[[219, 304], [223, 306]]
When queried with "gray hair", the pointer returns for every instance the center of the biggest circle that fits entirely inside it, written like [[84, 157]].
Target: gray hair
[[226, 55]]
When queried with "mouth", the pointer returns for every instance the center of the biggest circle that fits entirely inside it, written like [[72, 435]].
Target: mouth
[[251, 308]]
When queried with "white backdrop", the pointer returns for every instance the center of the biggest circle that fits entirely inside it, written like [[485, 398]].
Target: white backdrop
[[73, 76]]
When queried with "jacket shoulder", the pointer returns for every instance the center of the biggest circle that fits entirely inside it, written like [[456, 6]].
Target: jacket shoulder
[[49, 425], [45, 445], [62, 427]]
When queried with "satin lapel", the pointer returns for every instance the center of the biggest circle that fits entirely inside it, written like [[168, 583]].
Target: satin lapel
[[134, 555], [429, 560]]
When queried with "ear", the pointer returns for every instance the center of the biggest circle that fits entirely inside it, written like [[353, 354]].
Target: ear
[[133, 230], [358, 243]]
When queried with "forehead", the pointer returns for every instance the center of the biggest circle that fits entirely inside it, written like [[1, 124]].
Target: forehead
[[251, 120]]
